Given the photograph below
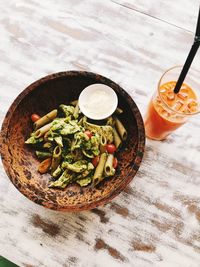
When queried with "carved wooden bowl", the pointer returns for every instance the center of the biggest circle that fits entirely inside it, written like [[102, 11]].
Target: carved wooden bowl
[[19, 159]]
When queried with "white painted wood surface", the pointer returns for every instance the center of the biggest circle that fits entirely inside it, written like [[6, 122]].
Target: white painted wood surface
[[156, 221], [179, 13]]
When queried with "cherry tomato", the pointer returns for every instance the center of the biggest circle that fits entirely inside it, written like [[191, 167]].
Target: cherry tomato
[[110, 148], [88, 133], [35, 117], [95, 161], [115, 163]]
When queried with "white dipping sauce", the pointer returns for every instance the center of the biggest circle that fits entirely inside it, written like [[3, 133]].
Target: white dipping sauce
[[98, 101]]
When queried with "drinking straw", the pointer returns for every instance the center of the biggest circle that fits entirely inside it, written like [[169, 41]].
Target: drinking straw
[[190, 57]]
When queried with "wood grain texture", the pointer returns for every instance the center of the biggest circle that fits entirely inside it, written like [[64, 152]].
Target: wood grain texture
[[155, 221], [181, 13]]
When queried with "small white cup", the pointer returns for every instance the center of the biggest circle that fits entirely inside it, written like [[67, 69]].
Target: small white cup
[[98, 101]]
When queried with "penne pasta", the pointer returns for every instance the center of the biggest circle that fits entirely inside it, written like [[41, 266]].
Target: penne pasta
[[120, 128], [58, 140], [108, 168], [76, 111], [74, 103], [56, 158], [119, 111], [103, 140], [43, 130], [110, 121], [98, 174], [45, 119], [74, 150], [47, 145], [57, 172], [103, 130], [117, 139], [102, 148], [43, 154], [80, 122], [46, 135]]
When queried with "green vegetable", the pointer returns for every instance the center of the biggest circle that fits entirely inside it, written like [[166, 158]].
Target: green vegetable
[[95, 140], [89, 146], [58, 124], [34, 141], [77, 154], [95, 152], [80, 140], [68, 158], [58, 140], [88, 153], [70, 128], [57, 172], [71, 150], [104, 130], [73, 156], [47, 145], [68, 118], [80, 122], [90, 166], [66, 141], [67, 110], [52, 135], [84, 181], [63, 180], [85, 173], [78, 166]]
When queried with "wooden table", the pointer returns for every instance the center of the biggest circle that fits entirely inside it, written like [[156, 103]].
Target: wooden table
[[156, 220]]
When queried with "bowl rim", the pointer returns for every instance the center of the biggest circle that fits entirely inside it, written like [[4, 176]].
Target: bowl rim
[[127, 179]]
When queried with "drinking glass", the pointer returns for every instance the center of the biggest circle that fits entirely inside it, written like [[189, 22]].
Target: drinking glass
[[167, 111]]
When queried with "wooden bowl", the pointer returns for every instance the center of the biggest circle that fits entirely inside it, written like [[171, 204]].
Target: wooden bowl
[[19, 159]]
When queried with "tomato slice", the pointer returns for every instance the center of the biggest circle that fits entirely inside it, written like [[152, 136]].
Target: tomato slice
[[88, 133], [95, 161], [115, 163], [110, 148], [35, 117]]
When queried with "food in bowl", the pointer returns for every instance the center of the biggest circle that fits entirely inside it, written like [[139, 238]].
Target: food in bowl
[[74, 149], [21, 164]]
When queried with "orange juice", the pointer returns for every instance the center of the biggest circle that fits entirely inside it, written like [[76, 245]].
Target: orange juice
[[167, 111]]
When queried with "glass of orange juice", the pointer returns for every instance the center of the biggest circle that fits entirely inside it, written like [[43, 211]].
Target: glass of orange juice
[[167, 111]]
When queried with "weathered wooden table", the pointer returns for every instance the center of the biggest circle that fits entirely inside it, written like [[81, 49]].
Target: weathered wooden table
[[156, 220]]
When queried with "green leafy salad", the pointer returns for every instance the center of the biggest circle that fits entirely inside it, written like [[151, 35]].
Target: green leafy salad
[[73, 149]]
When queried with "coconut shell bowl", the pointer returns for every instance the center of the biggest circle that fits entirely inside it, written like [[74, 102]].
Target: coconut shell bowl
[[19, 159]]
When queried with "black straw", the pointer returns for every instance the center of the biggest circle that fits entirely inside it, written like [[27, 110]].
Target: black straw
[[190, 57]]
